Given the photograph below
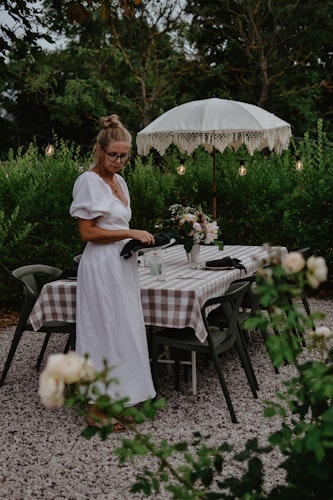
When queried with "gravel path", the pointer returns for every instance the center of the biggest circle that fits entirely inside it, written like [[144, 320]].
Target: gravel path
[[44, 457]]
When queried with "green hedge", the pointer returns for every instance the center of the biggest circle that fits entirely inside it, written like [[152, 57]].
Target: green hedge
[[273, 203]]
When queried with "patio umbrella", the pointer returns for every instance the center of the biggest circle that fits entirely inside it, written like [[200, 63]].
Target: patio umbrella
[[215, 124]]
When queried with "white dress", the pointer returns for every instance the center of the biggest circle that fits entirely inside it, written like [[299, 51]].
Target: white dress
[[110, 323]]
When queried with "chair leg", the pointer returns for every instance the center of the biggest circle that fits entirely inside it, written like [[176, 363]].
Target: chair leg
[[15, 342], [194, 372], [218, 369], [297, 332], [70, 344], [307, 308], [73, 338], [154, 362], [265, 336], [177, 369], [42, 352], [247, 365]]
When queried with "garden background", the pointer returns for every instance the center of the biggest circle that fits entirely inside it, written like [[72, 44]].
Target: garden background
[[65, 64], [274, 203]]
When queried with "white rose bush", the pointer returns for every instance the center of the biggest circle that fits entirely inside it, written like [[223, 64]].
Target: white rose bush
[[62, 369], [304, 406], [72, 380]]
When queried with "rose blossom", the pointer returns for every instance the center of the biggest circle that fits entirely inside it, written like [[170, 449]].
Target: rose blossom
[[88, 371], [293, 262], [266, 273], [54, 363], [51, 390], [211, 232], [70, 367], [316, 271], [321, 332]]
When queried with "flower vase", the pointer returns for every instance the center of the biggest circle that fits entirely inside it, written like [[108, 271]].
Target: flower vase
[[193, 256]]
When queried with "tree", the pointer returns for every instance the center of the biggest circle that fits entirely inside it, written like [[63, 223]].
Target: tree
[[275, 54], [128, 63]]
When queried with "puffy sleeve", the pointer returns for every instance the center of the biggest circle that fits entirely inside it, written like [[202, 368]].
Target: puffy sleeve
[[90, 198]]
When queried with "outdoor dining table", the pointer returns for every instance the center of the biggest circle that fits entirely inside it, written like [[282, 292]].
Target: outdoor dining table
[[173, 299]]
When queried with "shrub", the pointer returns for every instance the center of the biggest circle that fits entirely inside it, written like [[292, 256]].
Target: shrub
[[273, 203], [305, 408], [35, 226]]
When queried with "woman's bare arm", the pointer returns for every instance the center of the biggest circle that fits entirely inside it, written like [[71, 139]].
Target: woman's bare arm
[[90, 232]]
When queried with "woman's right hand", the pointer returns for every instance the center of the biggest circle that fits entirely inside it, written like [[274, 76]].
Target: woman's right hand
[[143, 236]]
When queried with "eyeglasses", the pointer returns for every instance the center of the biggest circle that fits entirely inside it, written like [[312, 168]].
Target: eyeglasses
[[114, 156]]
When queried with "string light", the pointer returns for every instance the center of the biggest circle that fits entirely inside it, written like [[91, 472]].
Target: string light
[[49, 150], [242, 168], [181, 168], [299, 165]]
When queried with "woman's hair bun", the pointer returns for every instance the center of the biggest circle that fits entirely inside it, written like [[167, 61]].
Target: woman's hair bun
[[112, 121]]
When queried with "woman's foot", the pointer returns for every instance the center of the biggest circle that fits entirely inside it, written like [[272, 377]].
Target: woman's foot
[[97, 418]]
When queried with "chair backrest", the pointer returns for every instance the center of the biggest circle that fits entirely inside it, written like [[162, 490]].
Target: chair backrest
[[251, 298], [229, 303], [77, 258], [306, 252], [33, 277]]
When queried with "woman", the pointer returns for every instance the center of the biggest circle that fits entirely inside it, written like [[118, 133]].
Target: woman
[[110, 323]]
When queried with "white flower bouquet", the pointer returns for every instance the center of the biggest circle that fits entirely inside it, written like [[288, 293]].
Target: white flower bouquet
[[191, 225]]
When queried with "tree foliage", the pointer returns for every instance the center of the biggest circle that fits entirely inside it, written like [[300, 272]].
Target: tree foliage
[[275, 54], [140, 58]]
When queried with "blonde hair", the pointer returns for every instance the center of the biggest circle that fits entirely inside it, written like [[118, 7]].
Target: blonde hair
[[112, 130]]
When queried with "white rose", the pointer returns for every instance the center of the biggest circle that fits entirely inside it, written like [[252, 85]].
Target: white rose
[[293, 262], [72, 367], [88, 371], [316, 271], [54, 364], [322, 331], [276, 312], [51, 390], [266, 273]]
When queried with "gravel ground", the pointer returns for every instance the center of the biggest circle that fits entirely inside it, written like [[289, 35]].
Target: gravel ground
[[43, 455]]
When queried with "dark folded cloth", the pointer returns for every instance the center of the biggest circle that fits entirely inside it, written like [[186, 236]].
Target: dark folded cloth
[[135, 245], [68, 273], [226, 262]]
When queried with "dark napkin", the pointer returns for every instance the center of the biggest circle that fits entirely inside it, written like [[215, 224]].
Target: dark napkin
[[135, 245], [226, 262], [68, 273]]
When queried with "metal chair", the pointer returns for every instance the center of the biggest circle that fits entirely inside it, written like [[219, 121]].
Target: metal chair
[[249, 306], [33, 277], [217, 342], [77, 258]]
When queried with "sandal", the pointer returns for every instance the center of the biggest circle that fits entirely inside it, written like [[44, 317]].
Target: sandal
[[97, 418]]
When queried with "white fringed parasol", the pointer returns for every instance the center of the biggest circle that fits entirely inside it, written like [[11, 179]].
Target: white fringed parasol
[[215, 124]]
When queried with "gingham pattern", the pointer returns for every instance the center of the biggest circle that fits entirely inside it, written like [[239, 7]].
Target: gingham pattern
[[56, 302], [177, 299]]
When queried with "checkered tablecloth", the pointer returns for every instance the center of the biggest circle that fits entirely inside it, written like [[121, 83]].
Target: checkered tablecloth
[[174, 299]]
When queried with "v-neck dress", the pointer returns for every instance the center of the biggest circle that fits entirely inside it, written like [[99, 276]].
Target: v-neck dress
[[109, 318]]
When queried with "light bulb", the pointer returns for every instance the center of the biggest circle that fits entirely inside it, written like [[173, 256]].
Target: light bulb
[[49, 150], [299, 165], [181, 169], [242, 169]]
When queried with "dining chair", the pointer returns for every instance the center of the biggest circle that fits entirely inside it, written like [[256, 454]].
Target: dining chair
[[77, 258], [217, 342], [33, 277], [249, 307]]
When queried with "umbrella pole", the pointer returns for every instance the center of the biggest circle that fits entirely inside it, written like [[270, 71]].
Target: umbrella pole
[[214, 184]]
